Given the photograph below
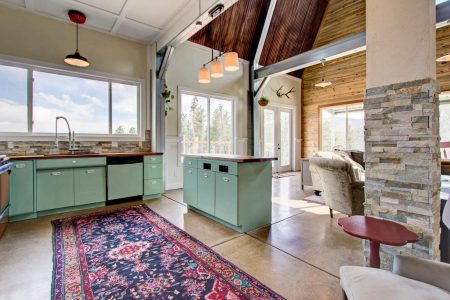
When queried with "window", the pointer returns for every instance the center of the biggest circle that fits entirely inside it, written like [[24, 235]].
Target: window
[[444, 125], [342, 127], [93, 105], [206, 124]]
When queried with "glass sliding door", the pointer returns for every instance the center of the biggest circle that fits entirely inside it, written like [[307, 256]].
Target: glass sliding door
[[277, 132]]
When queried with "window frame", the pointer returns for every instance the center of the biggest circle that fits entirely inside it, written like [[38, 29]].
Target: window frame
[[32, 66], [208, 95], [344, 104]]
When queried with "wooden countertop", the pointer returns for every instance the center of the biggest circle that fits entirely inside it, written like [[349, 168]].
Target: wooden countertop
[[52, 156], [231, 157]]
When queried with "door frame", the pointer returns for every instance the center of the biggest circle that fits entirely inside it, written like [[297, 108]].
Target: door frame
[[278, 106]]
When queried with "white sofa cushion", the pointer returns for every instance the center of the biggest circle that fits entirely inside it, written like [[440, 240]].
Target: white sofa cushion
[[361, 283]]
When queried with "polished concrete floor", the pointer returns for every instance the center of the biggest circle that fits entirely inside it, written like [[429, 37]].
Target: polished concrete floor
[[298, 256]]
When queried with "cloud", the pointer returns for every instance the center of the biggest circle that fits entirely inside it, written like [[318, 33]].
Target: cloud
[[13, 116]]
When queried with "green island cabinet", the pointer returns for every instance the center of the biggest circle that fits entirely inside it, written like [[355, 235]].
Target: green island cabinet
[[233, 190]]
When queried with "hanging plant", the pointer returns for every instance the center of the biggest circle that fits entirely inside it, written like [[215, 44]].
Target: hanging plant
[[263, 101], [167, 95]]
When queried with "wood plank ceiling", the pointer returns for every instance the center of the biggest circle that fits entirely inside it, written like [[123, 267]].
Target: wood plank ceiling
[[292, 31]]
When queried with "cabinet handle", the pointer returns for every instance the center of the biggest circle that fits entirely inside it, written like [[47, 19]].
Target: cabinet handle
[[190, 171], [226, 179], [189, 162], [152, 158], [90, 171], [153, 182], [20, 166], [55, 173], [205, 175], [153, 167], [74, 161]]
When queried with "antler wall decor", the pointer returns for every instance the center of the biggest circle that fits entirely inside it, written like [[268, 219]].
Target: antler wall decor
[[280, 93]]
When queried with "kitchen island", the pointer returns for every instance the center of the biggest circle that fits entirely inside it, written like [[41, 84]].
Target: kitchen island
[[235, 190]]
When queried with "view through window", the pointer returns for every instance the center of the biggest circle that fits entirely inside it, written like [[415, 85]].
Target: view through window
[[92, 105], [206, 124], [444, 124], [342, 127]]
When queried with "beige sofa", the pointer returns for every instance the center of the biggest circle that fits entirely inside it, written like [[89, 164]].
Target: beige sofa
[[357, 171], [342, 191]]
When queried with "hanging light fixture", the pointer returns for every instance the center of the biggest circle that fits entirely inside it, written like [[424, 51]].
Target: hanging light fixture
[[76, 59], [323, 83], [231, 59], [203, 75]]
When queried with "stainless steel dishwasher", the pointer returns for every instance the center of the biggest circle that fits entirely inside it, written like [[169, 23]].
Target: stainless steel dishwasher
[[125, 178], [5, 171]]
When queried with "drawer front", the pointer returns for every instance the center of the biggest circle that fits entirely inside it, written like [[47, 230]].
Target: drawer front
[[125, 181], [227, 198], [190, 162], [153, 186], [55, 189], [206, 191], [153, 171], [190, 186], [90, 185], [226, 167], [206, 164], [22, 188], [70, 162], [153, 159]]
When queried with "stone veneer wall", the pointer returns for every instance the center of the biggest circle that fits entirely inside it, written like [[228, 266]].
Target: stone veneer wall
[[48, 147], [403, 163]]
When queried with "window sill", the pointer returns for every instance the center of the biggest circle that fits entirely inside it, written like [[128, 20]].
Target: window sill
[[63, 137]]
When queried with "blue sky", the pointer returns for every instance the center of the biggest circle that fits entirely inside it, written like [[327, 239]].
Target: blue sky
[[83, 101]]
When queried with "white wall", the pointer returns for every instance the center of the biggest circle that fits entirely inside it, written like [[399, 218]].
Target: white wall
[[182, 73], [401, 41], [287, 82]]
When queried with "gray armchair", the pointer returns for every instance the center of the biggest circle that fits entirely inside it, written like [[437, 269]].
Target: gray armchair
[[412, 278], [341, 190]]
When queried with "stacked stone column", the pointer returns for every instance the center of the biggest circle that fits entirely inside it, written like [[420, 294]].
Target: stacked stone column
[[403, 163]]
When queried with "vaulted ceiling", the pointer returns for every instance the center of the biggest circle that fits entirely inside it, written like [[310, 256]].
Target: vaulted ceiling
[[292, 31]]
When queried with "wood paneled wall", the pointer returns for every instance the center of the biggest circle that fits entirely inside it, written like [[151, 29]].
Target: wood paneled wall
[[348, 74]]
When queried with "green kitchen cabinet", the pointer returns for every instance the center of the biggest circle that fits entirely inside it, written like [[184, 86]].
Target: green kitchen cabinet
[[206, 182], [22, 188], [55, 189], [125, 180], [153, 171], [190, 186], [153, 186], [89, 185], [226, 207]]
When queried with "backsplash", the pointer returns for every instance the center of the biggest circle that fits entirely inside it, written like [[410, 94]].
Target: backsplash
[[48, 147]]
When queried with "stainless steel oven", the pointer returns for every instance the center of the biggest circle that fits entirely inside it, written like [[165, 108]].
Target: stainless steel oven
[[5, 171]]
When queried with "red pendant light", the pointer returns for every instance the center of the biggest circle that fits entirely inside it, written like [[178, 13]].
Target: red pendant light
[[76, 59]]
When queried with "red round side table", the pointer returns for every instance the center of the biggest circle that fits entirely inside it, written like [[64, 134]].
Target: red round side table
[[377, 231]]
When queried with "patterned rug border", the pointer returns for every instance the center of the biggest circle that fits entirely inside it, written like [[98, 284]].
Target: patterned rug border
[[57, 259]]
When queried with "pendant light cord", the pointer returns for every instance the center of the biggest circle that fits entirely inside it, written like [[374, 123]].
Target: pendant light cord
[[220, 35], [77, 37]]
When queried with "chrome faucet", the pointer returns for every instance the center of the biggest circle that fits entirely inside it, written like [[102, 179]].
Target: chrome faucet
[[71, 135]]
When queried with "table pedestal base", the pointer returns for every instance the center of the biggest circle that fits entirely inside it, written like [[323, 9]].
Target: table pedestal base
[[374, 258]]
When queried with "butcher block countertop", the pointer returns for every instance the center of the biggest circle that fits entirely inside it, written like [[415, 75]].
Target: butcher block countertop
[[231, 157], [53, 156]]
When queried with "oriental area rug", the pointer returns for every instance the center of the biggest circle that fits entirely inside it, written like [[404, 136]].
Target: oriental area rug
[[134, 253]]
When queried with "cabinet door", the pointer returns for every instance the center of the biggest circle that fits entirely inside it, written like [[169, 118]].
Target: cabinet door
[[206, 191], [90, 185], [125, 181], [226, 198], [190, 186], [54, 189], [21, 188]]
